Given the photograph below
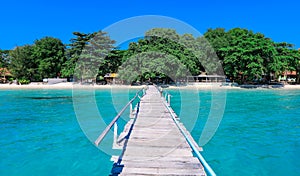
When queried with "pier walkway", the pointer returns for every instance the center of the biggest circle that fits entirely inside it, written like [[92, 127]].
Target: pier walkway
[[157, 143]]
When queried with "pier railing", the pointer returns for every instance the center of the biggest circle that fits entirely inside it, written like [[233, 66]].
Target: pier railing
[[165, 94], [115, 119], [195, 148]]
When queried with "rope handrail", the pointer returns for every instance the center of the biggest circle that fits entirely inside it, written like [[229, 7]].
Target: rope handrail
[[106, 130], [189, 141]]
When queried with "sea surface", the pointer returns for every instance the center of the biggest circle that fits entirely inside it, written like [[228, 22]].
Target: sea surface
[[41, 130]]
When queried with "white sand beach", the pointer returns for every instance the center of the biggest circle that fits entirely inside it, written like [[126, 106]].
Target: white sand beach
[[68, 85], [291, 87], [208, 86]]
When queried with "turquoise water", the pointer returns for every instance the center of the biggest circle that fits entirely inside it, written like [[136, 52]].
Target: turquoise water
[[259, 133], [39, 133]]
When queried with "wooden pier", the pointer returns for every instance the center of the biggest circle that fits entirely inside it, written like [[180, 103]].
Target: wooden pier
[[155, 144]]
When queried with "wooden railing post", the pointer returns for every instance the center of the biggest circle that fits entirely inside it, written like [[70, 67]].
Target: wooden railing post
[[115, 135], [130, 111], [169, 99], [113, 122]]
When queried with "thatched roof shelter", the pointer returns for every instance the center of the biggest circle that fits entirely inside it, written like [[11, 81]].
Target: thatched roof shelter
[[5, 72]]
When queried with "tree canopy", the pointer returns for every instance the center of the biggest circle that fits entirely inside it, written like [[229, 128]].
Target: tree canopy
[[23, 65], [49, 54], [41, 60], [166, 48], [93, 56], [4, 58], [241, 54], [73, 52], [247, 56]]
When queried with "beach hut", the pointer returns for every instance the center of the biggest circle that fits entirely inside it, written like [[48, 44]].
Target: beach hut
[[206, 78], [111, 78], [4, 73], [289, 76]]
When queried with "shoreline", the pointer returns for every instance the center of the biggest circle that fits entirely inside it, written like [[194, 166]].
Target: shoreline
[[218, 87], [64, 86], [69, 85]]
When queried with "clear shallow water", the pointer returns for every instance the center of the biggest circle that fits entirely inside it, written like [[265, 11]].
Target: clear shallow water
[[258, 135], [40, 135]]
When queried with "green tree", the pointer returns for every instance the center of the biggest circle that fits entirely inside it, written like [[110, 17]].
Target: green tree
[[4, 58], [112, 62], [286, 56], [23, 65], [251, 55], [163, 33], [49, 52], [93, 56], [244, 53], [218, 38], [166, 42], [195, 53], [150, 65], [74, 51], [289, 58], [297, 63]]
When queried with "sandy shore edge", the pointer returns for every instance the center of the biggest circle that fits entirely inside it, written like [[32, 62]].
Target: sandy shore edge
[[65, 86], [78, 86], [217, 86]]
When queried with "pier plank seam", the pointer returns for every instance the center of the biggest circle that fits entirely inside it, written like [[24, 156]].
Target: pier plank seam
[[155, 145]]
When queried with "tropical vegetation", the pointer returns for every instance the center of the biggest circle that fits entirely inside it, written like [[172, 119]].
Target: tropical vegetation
[[241, 54]]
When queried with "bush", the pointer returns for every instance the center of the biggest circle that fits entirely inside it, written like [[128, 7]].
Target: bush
[[24, 81]]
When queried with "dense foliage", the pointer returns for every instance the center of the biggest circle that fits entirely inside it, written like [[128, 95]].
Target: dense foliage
[[93, 56], [243, 55], [43, 59], [4, 62], [73, 52], [166, 55], [248, 56]]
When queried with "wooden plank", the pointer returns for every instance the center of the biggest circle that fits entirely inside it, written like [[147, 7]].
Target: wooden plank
[[159, 159], [165, 165], [192, 139], [160, 171], [157, 152]]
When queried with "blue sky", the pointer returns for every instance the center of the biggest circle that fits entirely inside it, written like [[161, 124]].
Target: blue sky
[[22, 22]]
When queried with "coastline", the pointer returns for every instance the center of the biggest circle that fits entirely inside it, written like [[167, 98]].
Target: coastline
[[69, 85], [62, 86], [292, 87], [219, 87]]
